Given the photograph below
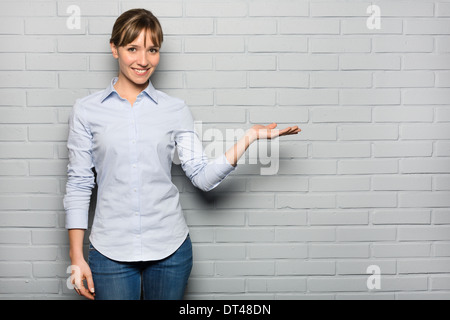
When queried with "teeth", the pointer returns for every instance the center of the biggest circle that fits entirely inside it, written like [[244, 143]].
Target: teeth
[[140, 71]]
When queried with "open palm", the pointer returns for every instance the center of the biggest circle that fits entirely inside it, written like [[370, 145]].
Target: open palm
[[269, 131]]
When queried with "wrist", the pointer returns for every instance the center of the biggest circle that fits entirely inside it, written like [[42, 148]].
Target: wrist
[[76, 255], [251, 135]]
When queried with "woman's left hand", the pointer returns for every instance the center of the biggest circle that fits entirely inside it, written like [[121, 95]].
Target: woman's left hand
[[269, 132]]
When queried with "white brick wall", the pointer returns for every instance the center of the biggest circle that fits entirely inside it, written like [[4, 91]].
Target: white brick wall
[[367, 182]]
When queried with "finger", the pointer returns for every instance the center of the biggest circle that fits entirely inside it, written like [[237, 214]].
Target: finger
[[90, 284], [285, 131], [84, 292]]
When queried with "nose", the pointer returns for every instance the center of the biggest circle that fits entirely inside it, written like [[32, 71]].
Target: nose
[[142, 60]]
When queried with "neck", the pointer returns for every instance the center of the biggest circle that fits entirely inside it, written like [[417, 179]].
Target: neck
[[129, 90]]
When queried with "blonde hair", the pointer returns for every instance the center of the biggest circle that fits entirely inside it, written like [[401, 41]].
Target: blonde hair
[[130, 24]]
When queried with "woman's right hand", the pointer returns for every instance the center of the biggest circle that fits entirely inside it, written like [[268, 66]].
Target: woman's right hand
[[81, 272]]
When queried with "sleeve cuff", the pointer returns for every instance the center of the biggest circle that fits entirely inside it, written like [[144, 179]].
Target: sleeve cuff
[[76, 219], [223, 168]]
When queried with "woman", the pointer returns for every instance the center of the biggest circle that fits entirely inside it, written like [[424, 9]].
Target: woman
[[128, 133]]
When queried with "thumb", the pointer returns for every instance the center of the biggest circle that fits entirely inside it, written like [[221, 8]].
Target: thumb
[[272, 125]]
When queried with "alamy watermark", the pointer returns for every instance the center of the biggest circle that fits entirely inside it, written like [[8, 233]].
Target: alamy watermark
[[374, 280], [74, 20], [374, 21], [215, 142]]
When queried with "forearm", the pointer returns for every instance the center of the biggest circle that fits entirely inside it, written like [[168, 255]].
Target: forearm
[[235, 152], [76, 237]]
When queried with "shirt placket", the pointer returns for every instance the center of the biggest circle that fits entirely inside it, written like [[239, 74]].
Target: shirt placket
[[135, 180]]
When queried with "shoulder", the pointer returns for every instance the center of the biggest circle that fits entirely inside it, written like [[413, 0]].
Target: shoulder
[[170, 102]]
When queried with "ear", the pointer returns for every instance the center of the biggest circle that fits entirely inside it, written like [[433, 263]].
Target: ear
[[114, 50]]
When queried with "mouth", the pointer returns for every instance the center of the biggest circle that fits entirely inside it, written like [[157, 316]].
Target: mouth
[[141, 72]]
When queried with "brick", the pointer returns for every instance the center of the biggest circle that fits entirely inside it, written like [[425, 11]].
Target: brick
[[309, 26], [212, 45], [159, 8], [339, 184], [279, 115], [370, 96], [359, 26], [424, 266], [341, 79], [409, 182], [292, 97], [251, 97], [245, 26], [200, 26], [280, 9], [303, 267], [425, 96], [28, 79], [441, 165], [26, 150], [370, 62], [56, 62], [308, 62], [367, 166], [402, 149], [403, 114], [365, 234], [340, 9], [338, 217], [341, 114], [317, 234], [262, 44], [239, 62], [339, 45], [412, 44], [28, 8], [435, 199], [368, 132], [341, 150], [216, 9], [404, 79], [339, 250], [244, 235], [212, 79], [13, 133], [427, 26], [367, 200], [425, 131], [423, 61], [306, 201], [276, 218], [52, 26]]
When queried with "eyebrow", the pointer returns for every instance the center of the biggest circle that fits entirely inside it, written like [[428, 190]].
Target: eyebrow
[[138, 46]]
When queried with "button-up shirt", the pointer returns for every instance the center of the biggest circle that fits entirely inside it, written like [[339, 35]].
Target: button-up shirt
[[138, 216]]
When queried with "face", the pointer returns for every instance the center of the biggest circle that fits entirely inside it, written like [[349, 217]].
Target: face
[[137, 60]]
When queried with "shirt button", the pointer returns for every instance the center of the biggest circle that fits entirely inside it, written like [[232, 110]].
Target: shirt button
[[134, 189], [133, 141], [134, 165], [136, 213]]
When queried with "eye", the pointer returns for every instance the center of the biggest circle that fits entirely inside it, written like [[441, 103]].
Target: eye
[[154, 50], [132, 49]]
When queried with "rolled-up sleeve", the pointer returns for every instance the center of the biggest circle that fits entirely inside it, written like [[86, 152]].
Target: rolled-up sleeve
[[204, 173], [80, 176]]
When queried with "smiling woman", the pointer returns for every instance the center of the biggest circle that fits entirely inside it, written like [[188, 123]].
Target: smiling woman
[[135, 42], [128, 133]]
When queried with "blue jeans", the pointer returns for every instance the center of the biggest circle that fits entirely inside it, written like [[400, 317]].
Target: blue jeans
[[150, 280]]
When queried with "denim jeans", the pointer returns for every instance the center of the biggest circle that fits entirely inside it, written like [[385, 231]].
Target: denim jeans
[[150, 280]]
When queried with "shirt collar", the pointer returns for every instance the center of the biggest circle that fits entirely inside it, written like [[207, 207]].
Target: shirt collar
[[150, 91]]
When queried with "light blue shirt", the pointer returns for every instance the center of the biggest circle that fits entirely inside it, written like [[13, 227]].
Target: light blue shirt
[[138, 216]]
